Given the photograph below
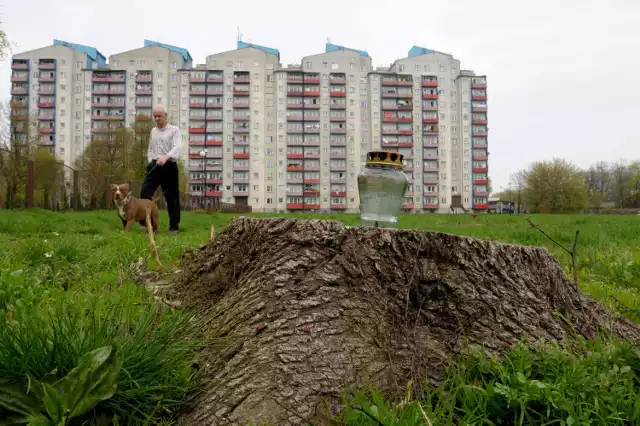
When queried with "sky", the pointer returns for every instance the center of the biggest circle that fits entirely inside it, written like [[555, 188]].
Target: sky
[[562, 75]]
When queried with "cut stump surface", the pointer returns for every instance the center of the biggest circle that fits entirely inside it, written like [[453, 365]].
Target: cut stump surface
[[303, 309]]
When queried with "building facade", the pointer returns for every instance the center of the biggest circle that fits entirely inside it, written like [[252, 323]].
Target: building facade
[[277, 138]]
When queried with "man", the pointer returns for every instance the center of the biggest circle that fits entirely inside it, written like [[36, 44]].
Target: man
[[165, 147]]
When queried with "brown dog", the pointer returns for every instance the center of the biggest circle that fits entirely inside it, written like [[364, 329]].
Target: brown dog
[[132, 209]]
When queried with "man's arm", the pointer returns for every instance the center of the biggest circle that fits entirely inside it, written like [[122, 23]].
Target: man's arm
[[176, 145]]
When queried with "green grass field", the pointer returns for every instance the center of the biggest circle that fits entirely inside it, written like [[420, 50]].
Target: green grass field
[[65, 289]]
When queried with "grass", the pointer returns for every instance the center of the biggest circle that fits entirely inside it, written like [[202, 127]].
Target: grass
[[65, 289]]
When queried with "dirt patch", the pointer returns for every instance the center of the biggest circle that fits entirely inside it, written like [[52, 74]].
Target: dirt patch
[[306, 308]]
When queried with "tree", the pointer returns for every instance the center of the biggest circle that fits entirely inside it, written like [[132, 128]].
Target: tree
[[49, 185], [598, 179], [556, 186], [5, 46]]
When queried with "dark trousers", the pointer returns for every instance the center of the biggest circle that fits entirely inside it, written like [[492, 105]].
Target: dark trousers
[[167, 177]]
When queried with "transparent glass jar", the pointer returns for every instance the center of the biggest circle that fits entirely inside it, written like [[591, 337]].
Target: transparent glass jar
[[382, 186]]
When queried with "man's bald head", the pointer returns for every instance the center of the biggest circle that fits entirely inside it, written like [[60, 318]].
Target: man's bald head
[[160, 115]]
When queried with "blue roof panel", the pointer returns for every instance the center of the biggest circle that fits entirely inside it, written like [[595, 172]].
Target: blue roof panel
[[186, 56], [270, 50], [92, 52], [334, 47], [417, 51]]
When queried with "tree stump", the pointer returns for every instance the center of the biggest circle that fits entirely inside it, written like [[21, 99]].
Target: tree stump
[[303, 309]]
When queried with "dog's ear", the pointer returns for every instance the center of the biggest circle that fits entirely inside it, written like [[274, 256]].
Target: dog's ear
[[114, 186]]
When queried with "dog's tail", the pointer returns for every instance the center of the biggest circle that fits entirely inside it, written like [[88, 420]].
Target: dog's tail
[[156, 199]]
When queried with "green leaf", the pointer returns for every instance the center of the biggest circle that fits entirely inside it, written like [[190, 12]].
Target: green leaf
[[92, 381], [52, 403], [41, 421], [14, 398]]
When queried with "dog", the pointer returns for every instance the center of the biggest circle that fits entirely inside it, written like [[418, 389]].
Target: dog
[[132, 209]]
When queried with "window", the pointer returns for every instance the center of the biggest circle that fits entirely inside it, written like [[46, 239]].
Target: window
[[335, 65], [307, 65]]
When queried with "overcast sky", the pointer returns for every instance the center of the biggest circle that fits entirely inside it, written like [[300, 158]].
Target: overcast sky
[[563, 75]]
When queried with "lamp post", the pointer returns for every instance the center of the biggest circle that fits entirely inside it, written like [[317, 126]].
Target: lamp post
[[203, 155]]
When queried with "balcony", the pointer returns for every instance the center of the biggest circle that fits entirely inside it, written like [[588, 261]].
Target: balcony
[[405, 144], [241, 78], [215, 78], [294, 78], [244, 193], [480, 145], [481, 181], [480, 157], [46, 78], [47, 65], [481, 194], [118, 91], [338, 180], [430, 82], [335, 94], [478, 84], [216, 142], [240, 104], [22, 116], [107, 117], [340, 105], [311, 180], [196, 129], [312, 79], [107, 79], [431, 206], [114, 105], [430, 168], [19, 65], [240, 141], [392, 119], [427, 107], [196, 143], [18, 78], [480, 97], [18, 90], [295, 168], [215, 181], [142, 104], [480, 133], [18, 104], [480, 169], [241, 155], [430, 96], [143, 78], [337, 80], [295, 105], [240, 92], [312, 118], [430, 120], [340, 206], [294, 155], [46, 130], [214, 92], [427, 193], [338, 193], [311, 193], [294, 92], [294, 206], [480, 206], [197, 78], [211, 117], [337, 142], [241, 167], [337, 131], [408, 206], [311, 206], [338, 156], [213, 194], [195, 91]]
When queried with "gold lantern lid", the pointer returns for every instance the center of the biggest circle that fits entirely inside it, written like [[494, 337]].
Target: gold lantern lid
[[387, 158]]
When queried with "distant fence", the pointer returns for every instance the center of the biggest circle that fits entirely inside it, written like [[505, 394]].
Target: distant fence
[[58, 187], [613, 211]]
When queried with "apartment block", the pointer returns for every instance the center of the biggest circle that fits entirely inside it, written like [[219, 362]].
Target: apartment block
[[47, 87], [322, 122], [277, 138], [130, 85], [422, 107]]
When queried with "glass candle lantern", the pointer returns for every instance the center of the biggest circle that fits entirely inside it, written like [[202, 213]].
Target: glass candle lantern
[[382, 186]]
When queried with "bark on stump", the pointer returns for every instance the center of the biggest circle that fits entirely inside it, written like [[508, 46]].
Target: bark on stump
[[304, 309]]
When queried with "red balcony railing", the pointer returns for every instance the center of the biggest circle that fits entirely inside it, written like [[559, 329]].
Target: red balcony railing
[[18, 78], [19, 66], [213, 193], [18, 91], [312, 80], [243, 155], [196, 129], [429, 96], [294, 206], [481, 181], [295, 155], [338, 193], [480, 206], [294, 79], [430, 120], [479, 97], [215, 79], [431, 206], [336, 94], [242, 79], [430, 83], [480, 169], [479, 85]]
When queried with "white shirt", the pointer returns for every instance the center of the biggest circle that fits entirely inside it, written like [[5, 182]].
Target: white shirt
[[166, 141]]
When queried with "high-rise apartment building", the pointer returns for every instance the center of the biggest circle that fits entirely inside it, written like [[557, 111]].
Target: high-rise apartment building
[[278, 138], [47, 87]]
